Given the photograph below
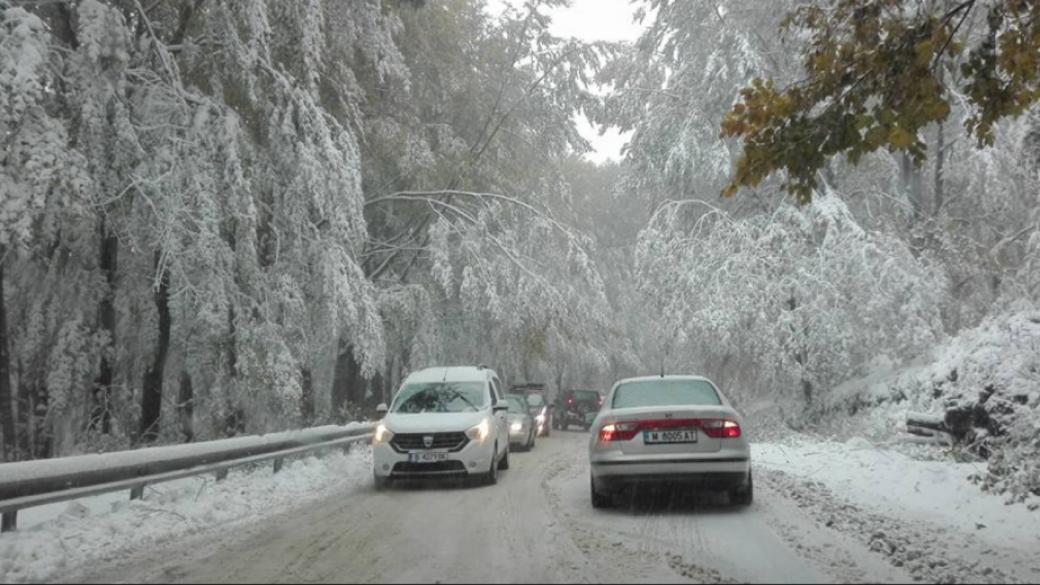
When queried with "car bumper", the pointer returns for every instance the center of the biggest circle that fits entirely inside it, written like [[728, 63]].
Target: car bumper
[[616, 470], [473, 459]]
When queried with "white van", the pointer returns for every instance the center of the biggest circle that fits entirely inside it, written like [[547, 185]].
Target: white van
[[443, 422]]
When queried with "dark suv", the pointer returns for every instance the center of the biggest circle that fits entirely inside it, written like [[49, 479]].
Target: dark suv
[[537, 398], [576, 407]]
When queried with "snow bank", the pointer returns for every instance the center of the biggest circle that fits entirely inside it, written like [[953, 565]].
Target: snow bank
[[56, 540], [932, 493], [983, 383]]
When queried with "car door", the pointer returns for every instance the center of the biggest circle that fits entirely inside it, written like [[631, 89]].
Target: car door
[[501, 417]]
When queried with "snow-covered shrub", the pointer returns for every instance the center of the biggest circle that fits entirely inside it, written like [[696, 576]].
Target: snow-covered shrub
[[985, 385]]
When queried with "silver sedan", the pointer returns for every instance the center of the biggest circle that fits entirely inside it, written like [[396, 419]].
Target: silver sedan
[[669, 429], [522, 426]]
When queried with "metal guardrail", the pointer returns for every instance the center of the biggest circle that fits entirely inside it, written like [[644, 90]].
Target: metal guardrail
[[155, 465]]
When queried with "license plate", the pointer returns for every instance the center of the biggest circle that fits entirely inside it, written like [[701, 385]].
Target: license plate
[[427, 457], [677, 436]]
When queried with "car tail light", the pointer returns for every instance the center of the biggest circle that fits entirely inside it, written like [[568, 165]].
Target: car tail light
[[618, 432], [721, 428]]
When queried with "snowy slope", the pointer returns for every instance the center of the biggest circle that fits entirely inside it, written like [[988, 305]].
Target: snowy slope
[[985, 384]]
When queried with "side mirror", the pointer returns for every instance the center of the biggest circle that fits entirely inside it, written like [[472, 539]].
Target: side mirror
[[501, 407], [382, 409]]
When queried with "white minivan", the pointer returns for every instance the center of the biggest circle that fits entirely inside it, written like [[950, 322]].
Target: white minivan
[[443, 422]]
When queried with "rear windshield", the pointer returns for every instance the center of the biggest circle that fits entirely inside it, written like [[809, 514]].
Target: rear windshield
[[585, 395], [665, 393], [535, 399]]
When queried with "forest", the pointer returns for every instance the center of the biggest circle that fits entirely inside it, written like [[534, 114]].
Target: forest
[[225, 217]]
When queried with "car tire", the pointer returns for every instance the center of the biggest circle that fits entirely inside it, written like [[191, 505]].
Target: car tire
[[744, 495], [600, 500], [504, 462], [491, 477]]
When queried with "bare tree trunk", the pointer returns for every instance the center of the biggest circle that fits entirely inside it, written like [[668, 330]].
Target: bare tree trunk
[[306, 396], [235, 419], [940, 162], [100, 416], [7, 450], [186, 407], [347, 385], [801, 357], [152, 389], [911, 183]]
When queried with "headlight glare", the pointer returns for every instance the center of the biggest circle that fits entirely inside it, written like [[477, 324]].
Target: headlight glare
[[382, 435], [480, 432]]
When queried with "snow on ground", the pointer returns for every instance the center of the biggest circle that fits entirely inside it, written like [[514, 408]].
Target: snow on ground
[[932, 495], [56, 538]]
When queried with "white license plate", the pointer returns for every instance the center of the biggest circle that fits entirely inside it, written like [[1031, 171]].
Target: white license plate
[[676, 436], [427, 457]]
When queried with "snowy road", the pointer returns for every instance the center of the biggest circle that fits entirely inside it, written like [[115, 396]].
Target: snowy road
[[536, 525]]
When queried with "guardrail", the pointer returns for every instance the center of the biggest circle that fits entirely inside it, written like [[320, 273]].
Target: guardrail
[[35, 483]]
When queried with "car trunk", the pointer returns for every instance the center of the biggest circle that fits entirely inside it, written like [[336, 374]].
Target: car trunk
[[672, 418]]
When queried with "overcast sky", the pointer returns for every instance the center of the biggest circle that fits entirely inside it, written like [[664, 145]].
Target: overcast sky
[[592, 20]]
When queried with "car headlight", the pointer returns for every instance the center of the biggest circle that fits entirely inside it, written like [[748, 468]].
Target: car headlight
[[517, 426], [382, 435], [480, 432]]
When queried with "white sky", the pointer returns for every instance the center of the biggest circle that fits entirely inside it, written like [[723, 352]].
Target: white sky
[[591, 20]]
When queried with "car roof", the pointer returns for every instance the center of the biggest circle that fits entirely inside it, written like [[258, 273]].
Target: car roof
[[451, 373], [665, 377]]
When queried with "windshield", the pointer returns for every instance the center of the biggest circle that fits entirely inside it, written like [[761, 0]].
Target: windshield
[[535, 400], [666, 393], [441, 397], [584, 396], [517, 404]]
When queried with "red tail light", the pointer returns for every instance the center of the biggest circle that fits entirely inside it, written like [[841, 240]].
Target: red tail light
[[714, 428], [721, 429], [618, 432]]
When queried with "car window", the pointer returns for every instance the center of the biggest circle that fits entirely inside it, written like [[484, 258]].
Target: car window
[[665, 393], [494, 390], [441, 397], [535, 400], [516, 403]]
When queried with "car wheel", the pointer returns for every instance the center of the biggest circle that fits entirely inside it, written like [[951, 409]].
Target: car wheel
[[491, 477], [744, 495], [600, 500], [504, 463]]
